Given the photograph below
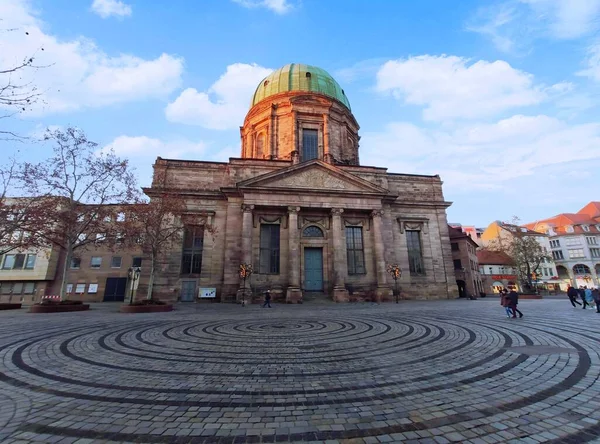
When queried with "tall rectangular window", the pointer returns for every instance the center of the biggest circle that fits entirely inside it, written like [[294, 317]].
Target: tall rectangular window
[[310, 146], [30, 262], [454, 246], [415, 252], [557, 255], [19, 261], [9, 262], [193, 244], [355, 250], [75, 263], [457, 264], [269, 249]]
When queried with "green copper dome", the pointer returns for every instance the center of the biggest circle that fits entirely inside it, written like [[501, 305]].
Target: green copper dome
[[298, 77]]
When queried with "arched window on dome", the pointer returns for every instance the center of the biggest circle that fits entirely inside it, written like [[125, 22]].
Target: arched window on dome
[[260, 145], [312, 231]]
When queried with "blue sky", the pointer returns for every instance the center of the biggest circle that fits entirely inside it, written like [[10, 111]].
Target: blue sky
[[498, 97]]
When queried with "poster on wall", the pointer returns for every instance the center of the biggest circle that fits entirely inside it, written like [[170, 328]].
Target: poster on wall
[[207, 293]]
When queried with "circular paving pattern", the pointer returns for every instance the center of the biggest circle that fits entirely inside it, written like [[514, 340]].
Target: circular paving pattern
[[423, 371]]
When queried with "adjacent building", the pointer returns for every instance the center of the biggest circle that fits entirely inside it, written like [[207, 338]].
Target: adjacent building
[[466, 263], [497, 271], [574, 242]]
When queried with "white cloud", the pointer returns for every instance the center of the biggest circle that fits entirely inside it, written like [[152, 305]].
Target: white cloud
[[513, 25], [277, 6], [482, 155], [76, 73], [143, 150], [107, 8], [224, 104], [451, 87]]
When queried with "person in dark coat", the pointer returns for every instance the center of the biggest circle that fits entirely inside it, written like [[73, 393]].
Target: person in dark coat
[[596, 296], [572, 293], [267, 299], [581, 293], [513, 297], [505, 302]]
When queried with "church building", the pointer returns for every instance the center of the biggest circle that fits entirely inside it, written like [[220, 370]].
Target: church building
[[298, 206]]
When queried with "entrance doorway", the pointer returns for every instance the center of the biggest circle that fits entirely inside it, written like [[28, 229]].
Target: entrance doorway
[[188, 291], [462, 288], [115, 289], [313, 269]]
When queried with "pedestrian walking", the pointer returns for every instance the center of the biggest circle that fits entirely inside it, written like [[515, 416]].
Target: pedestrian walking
[[267, 299], [588, 296], [513, 297], [505, 302], [596, 297], [581, 293], [572, 293]]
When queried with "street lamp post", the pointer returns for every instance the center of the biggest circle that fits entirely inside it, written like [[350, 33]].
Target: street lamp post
[[134, 275], [395, 271], [245, 273]]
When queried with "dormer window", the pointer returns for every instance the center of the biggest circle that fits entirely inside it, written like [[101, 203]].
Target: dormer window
[[570, 229], [308, 75], [585, 228]]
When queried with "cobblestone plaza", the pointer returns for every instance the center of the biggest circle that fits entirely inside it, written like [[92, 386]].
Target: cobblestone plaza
[[444, 371]]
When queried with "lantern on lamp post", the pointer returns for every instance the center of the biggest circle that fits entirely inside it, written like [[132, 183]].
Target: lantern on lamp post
[[134, 276], [396, 272], [245, 273]]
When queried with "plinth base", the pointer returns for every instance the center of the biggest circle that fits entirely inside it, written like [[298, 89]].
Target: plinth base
[[340, 295], [293, 296], [383, 294]]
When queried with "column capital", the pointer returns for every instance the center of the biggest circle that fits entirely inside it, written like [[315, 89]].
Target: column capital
[[377, 213], [337, 211], [293, 210], [247, 208]]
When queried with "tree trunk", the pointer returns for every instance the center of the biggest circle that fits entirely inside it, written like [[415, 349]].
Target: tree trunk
[[151, 280], [66, 265]]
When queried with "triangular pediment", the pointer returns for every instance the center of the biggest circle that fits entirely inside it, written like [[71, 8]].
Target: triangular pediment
[[313, 175]]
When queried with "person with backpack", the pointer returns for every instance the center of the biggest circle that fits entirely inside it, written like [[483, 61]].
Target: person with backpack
[[513, 297]]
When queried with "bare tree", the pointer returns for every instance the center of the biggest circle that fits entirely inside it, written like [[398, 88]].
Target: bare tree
[[80, 192], [158, 224], [17, 92]]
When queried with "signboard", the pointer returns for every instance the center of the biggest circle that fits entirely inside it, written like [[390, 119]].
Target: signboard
[[207, 293], [499, 277]]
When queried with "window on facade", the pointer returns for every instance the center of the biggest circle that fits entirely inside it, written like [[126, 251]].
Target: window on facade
[[576, 253], [454, 246], [312, 231], [17, 288], [92, 288], [6, 287], [75, 263], [269, 249], [115, 262], [581, 269], [355, 250], [120, 217], [595, 252], [29, 288], [80, 289], [69, 288], [554, 243], [545, 271], [193, 243], [30, 262], [457, 264], [136, 262], [591, 240], [260, 145], [558, 255], [310, 148], [572, 241], [96, 262], [415, 253], [585, 228], [19, 261]]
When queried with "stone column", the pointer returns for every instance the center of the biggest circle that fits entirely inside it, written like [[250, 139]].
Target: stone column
[[244, 293], [340, 293], [294, 293], [327, 157], [383, 289]]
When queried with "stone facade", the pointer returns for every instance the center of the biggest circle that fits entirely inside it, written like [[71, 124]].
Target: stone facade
[[391, 218]]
